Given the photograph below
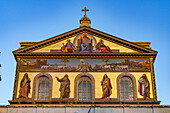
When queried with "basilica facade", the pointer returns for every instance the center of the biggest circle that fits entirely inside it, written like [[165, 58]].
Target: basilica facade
[[85, 67]]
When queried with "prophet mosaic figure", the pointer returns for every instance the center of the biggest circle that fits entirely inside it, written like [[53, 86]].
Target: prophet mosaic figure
[[106, 87], [144, 87], [64, 86], [103, 48], [68, 47], [85, 43], [24, 87]]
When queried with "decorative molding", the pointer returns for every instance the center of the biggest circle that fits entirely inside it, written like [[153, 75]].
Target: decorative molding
[[71, 101], [43, 54], [35, 83], [126, 74], [84, 74]]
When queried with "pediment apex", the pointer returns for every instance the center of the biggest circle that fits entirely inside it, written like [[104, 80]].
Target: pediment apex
[[142, 47]]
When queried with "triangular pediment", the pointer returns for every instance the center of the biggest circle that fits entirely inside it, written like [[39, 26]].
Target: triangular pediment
[[94, 39]]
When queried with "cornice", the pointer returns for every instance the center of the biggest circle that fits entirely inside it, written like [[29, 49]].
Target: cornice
[[85, 55]]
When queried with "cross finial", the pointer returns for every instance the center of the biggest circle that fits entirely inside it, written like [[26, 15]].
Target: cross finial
[[85, 10]]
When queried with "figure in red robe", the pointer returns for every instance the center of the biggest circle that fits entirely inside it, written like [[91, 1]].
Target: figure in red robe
[[144, 87], [103, 48], [24, 87]]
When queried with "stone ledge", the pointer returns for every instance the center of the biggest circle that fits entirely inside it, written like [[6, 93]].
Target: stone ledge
[[85, 106], [97, 102]]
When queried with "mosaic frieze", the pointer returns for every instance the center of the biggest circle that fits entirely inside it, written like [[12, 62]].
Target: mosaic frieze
[[85, 65]]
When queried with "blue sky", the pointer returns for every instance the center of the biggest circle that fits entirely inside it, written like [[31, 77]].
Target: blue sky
[[132, 20]]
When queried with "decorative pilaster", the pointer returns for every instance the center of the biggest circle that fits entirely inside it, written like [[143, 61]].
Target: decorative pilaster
[[16, 80], [153, 80]]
